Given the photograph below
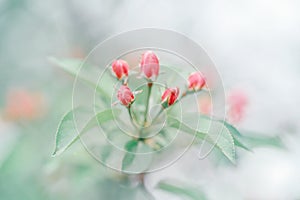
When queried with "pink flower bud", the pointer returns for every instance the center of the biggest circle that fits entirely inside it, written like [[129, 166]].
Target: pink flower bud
[[120, 68], [196, 81], [170, 95], [125, 95], [150, 65], [237, 103]]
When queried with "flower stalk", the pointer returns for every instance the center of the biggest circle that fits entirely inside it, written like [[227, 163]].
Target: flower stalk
[[132, 118], [150, 84]]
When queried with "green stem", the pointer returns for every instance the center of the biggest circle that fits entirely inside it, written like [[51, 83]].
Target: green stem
[[157, 115], [131, 117], [147, 103]]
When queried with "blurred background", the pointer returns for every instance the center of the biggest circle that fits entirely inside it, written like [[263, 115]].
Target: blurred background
[[254, 44]]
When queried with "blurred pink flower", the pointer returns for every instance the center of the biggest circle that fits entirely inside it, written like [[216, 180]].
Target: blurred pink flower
[[205, 105], [76, 52], [23, 105], [237, 101]]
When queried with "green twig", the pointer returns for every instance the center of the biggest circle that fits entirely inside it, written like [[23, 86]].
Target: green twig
[[147, 103], [131, 117], [157, 115]]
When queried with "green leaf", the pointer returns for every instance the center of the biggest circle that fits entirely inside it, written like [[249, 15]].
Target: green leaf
[[250, 140], [182, 190], [237, 137], [106, 152], [223, 140], [73, 67], [130, 147], [254, 140], [66, 133]]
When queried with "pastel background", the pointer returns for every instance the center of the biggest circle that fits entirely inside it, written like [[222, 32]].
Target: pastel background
[[254, 44]]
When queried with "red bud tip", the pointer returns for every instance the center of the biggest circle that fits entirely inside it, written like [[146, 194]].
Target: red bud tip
[[120, 68], [170, 95]]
